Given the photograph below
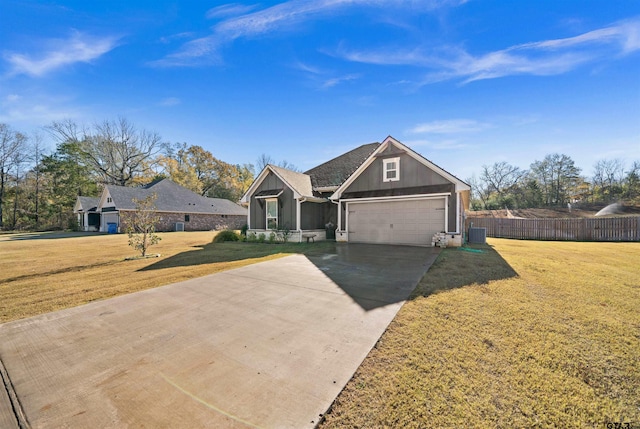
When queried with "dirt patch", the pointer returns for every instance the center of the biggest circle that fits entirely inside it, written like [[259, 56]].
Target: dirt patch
[[582, 211]]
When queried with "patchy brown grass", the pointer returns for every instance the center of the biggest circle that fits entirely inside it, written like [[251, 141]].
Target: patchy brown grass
[[556, 345], [55, 272]]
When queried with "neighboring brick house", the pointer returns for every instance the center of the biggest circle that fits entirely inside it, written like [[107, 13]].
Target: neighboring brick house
[[179, 209]]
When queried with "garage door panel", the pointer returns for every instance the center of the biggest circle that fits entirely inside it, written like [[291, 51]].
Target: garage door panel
[[396, 222]]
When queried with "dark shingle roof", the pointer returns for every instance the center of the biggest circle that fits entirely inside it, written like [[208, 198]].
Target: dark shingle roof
[[89, 204], [337, 170], [172, 197]]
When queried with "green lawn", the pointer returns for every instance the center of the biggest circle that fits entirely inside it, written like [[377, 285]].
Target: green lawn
[[525, 334], [47, 274]]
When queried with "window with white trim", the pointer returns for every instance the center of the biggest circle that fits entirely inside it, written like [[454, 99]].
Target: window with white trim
[[390, 169], [272, 213]]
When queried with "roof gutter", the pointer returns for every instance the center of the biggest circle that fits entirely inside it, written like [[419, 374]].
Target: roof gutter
[[313, 200], [332, 188]]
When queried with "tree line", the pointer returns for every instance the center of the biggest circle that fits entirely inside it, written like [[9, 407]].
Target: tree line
[[38, 189], [555, 181]]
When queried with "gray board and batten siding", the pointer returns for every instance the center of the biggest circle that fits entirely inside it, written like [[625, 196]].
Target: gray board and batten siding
[[415, 179], [286, 204], [313, 215]]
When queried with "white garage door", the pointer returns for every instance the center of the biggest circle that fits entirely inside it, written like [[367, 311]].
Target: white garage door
[[108, 218], [396, 222]]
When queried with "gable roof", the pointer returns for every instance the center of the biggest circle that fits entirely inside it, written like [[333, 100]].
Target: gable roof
[[393, 146], [299, 183], [335, 171], [172, 197], [86, 204], [338, 173]]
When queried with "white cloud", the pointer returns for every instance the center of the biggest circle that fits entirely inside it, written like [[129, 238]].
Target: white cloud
[[337, 80], [450, 126], [323, 79], [307, 68], [548, 57], [432, 145], [34, 110], [170, 101], [231, 9], [192, 53], [177, 36], [77, 48], [281, 16]]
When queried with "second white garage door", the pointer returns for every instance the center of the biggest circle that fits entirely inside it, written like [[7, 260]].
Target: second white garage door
[[396, 222]]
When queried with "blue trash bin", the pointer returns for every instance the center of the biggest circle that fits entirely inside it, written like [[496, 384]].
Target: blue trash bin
[[112, 228]]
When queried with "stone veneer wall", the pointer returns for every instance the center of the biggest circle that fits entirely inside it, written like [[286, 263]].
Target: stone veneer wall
[[197, 222]]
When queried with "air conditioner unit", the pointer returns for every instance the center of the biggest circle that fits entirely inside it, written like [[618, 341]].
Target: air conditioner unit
[[179, 226], [478, 235]]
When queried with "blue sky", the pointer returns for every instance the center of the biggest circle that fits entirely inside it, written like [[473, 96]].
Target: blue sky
[[464, 83]]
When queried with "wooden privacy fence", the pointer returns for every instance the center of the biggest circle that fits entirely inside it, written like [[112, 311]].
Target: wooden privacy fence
[[575, 229]]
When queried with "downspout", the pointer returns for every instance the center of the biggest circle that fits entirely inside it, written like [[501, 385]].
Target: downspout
[[446, 214], [339, 214], [299, 202], [249, 216], [458, 214]]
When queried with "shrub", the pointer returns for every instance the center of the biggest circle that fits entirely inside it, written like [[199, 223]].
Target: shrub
[[261, 237], [226, 235], [244, 229], [73, 225], [284, 233], [272, 237], [251, 237]]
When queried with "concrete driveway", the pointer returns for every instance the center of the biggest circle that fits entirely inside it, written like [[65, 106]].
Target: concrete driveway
[[269, 345]]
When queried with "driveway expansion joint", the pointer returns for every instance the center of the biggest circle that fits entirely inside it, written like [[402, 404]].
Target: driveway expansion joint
[[21, 418]]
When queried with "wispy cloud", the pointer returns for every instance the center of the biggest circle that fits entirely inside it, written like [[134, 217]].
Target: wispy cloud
[[450, 126], [307, 68], [323, 79], [330, 83], [78, 48], [177, 36], [242, 24], [226, 10], [170, 101], [35, 110], [446, 144], [547, 57]]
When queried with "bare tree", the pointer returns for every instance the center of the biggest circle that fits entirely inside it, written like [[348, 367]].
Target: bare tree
[[116, 150], [141, 224], [501, 177], [632, 180], [19, 160], [12, 145], [289, 166], [608, 177], [264, 160], [37, 155], [479, 192]]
